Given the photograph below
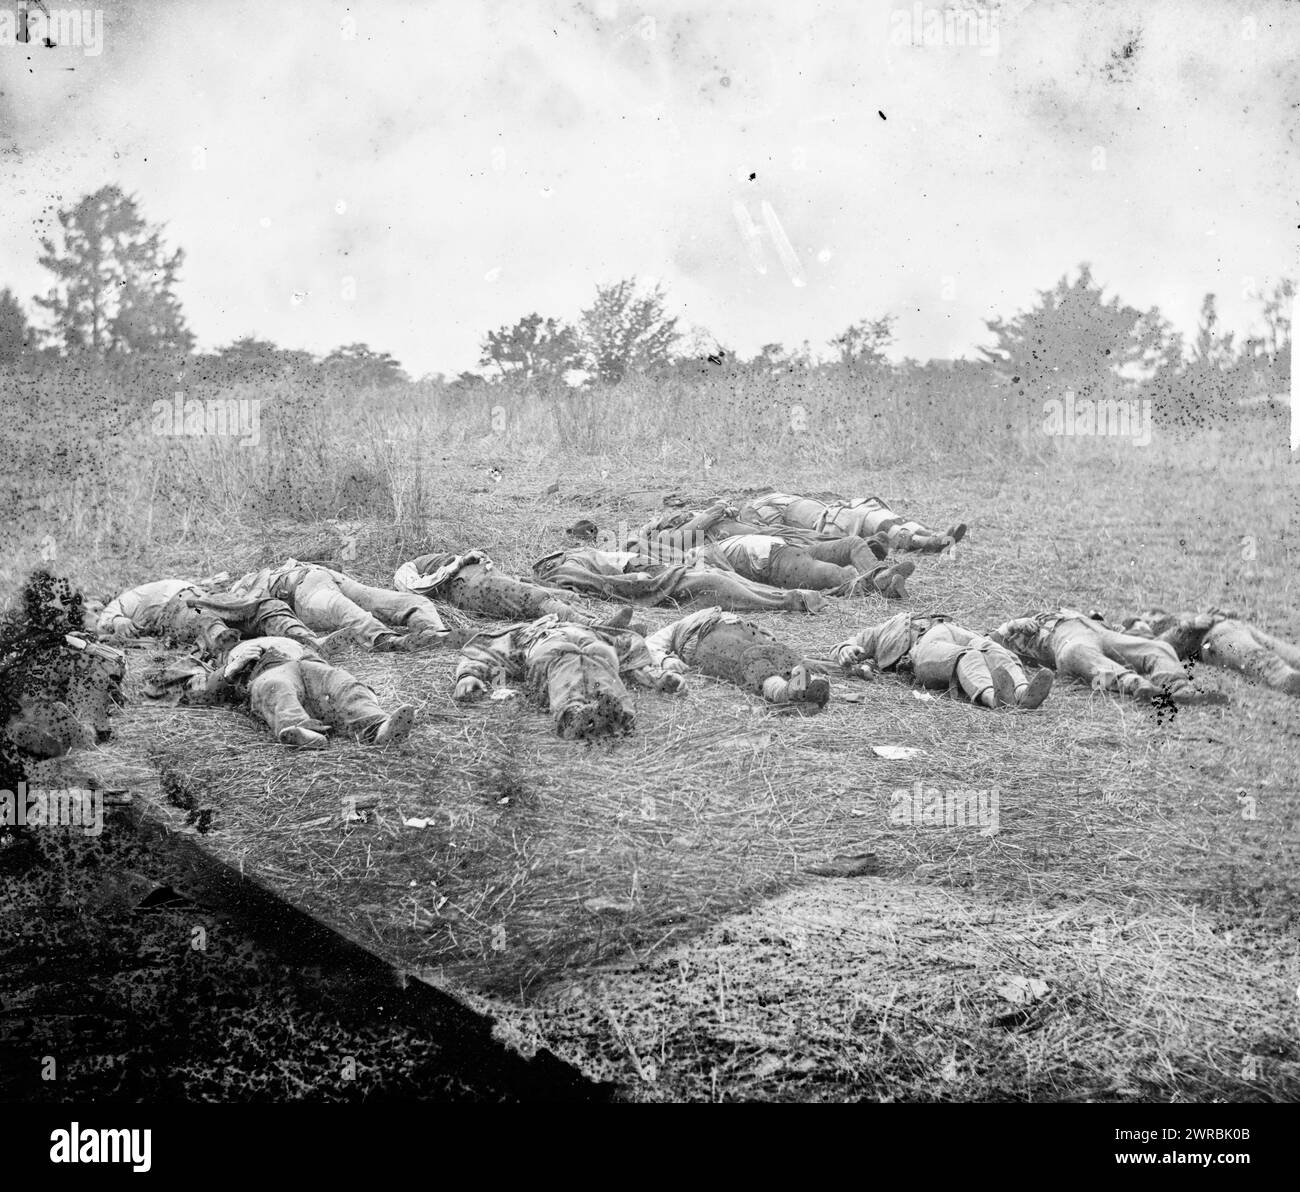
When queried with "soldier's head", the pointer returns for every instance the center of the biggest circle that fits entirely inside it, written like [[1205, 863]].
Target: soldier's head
[[583, 530], [590, 720], [90, 614]]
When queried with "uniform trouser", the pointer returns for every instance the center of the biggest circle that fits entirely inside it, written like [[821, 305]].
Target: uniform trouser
[[946, 654], [1241, 647], [731, 591], [503, 598], [815, 567], [322, 605], [314, 695], [1113, 661], [862, 521], [878, 518], [404, 609], [741, 654], [260, 617], [572, 667], [189, 625]]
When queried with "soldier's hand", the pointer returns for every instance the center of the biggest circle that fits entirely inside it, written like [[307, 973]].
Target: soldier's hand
[[469, 688], [672, 682]]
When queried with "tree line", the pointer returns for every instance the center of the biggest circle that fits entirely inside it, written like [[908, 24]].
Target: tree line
[[113, 298]]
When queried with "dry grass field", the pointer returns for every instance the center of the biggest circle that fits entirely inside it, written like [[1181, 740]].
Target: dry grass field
[[645, 909]]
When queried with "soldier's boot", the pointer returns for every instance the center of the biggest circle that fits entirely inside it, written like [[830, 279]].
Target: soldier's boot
[[891, 583], [299, 736], [805, 687], [1033, 693], [1004, 688], [396, 728]]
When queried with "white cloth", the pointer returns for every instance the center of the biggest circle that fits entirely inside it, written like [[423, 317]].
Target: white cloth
[[747, 552], [136, 610]]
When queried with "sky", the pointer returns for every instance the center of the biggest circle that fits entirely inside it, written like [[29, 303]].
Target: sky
[[411, 175]]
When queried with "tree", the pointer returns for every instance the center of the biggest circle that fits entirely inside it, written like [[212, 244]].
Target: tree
[[1213, 378], [249, 359], [1073, 339], [624, 331], [360, 365], [16, 334], [533, 348], [115, 285], [1277, 341], [862, 345]]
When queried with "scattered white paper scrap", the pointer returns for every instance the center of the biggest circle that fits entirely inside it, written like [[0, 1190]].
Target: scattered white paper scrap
[[1022, 990], [921, 695], [895, 753], [417, 823], [504, 693]]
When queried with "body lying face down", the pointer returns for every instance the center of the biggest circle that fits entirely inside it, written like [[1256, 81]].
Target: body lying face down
[[578, 672]]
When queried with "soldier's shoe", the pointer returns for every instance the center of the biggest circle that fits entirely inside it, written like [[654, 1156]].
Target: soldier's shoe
[[1036, 690], [805, 600], [1187, 634], [298, 736], [333, 644], [397, 727], [892, 582], [621, 619], [879, 544], [1004, 687], [956, 533], [808, 688], [469, 688], [1189, 697], [1291, 684], [422, 639]]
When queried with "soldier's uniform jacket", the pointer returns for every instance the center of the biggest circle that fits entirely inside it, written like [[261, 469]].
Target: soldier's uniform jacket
[[840, 516], [890, 643], [513, 653], [259, 654], [673, 535], [1031, 637], [141, 610], [429, 575], [723, 645]]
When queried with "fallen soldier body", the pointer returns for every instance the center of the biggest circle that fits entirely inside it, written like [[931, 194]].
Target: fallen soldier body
[[295, 692], [577, 671], [161, 609], [472, 583], [727, 647], [939, 653], [672, 537], [1220, 640], [328, 601], [1074, 644], [826, 567], [862, 517], [627, 575], [183, 613]]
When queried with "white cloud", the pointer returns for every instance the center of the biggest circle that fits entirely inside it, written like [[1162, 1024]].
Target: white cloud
[[564, 145]]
